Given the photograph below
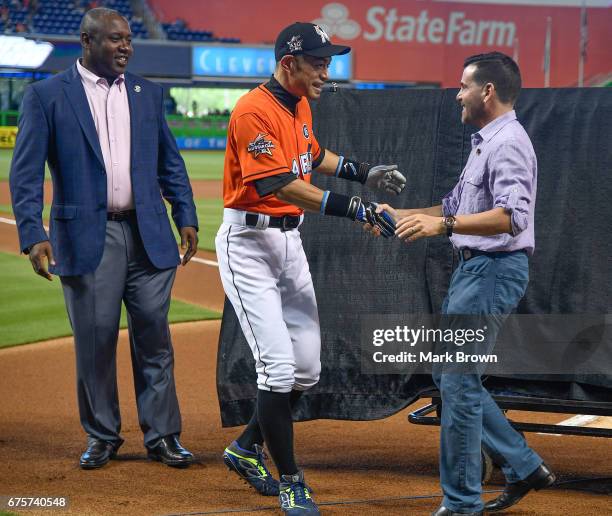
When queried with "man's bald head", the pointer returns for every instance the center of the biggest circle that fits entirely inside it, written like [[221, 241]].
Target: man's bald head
[[94, 19], [107, 43]]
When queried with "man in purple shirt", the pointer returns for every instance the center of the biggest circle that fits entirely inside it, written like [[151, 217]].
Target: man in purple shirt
[[489, 218]]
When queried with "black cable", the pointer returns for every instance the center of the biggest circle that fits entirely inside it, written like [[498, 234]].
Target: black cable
[[577, 480], [340, 502], [377, 500]]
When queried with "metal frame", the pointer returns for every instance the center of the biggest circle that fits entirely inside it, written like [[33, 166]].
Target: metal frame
[[422, 416]]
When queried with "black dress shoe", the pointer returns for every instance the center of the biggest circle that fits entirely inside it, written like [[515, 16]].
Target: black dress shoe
[[541, 478], [170, 452], [98, 453], [443, 511]]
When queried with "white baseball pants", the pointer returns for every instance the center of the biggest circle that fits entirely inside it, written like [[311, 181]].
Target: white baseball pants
[[265, 275]]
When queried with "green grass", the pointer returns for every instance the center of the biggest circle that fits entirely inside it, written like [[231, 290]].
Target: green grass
[[210, 214], [32, 308], [204, 164], [5, 163], [200, 164]]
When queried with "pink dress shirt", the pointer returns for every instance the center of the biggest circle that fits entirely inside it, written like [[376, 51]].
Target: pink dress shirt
[[111, 115]]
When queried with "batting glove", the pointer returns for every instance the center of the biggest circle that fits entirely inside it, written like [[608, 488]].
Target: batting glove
[[365, 212], [386, 178]]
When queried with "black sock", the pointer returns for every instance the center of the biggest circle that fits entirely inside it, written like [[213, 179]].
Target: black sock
[[251, 435], [274, 414]]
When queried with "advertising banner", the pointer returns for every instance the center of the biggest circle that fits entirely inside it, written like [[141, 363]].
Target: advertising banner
[[7, 137], [425, 40], [194, 143], [233, 61]]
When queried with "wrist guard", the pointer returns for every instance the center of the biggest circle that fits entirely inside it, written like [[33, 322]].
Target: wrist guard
[[352, 170]]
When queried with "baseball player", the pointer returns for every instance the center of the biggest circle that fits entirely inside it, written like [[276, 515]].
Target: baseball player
[[271, 152]]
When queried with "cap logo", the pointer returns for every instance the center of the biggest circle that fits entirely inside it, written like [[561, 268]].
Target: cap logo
[[295, 44], [322, 33]]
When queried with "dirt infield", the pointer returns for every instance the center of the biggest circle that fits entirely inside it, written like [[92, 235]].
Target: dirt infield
[[390, 462], [386, 467]]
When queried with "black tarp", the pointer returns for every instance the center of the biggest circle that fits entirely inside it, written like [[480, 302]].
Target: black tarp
[[356, 275]]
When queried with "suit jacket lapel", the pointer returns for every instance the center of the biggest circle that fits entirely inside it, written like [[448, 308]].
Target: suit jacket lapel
[[134, 112], [78, 101]]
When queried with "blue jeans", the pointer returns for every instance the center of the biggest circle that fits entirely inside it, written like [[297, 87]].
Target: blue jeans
[[487, 284]]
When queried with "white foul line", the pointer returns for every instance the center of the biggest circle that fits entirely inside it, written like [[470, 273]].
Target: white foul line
[[8, 221], [204, 261], [194, 259]]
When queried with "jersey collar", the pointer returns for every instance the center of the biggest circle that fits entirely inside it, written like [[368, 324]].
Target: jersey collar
[[282, 95]]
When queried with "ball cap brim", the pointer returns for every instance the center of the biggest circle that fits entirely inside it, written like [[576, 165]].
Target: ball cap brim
[[306, 38], [328, 51]]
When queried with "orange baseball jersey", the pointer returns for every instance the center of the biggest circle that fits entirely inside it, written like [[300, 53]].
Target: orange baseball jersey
[[264, 139]]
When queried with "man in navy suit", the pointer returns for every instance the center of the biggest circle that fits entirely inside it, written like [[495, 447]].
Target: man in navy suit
[[112, 158]]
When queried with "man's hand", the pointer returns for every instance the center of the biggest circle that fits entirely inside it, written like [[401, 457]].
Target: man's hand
[[381, 222], [386, 178], [189, 241], [395, 214], [417, 226], [392, 212], [41, 255]]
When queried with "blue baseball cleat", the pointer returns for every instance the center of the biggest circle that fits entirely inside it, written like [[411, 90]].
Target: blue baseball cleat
[[250, 466], [294, 497]]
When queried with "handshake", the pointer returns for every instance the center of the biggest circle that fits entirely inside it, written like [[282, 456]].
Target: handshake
[[376, 219], [388, 179]]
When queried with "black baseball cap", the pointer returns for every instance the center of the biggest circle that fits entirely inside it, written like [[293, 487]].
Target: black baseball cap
[[306, 38]]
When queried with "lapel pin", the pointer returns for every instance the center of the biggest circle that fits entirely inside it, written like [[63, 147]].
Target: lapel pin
[[137, 88]]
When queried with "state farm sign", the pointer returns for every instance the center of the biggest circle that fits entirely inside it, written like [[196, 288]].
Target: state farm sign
[[391, 25], [456, 29], [420, 40]]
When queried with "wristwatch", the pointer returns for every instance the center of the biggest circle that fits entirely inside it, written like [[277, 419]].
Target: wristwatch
[[449, 223]]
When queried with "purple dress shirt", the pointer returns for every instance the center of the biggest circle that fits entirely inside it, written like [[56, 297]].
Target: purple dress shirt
[[501, 171], [111, 115]]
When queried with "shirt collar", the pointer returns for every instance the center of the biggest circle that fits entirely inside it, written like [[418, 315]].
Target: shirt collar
[[92, 79], [492, 128]]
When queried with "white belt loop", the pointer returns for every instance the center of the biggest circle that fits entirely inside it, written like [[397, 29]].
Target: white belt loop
[[263, 221], [232, 216]]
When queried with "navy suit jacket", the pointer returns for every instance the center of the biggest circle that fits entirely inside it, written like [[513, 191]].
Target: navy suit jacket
[[56, 125]]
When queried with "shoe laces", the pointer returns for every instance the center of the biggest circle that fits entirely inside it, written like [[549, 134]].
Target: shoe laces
[[299, 494], [261, 457]]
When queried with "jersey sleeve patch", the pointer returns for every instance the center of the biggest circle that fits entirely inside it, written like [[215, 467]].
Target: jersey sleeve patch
[[260, 146]]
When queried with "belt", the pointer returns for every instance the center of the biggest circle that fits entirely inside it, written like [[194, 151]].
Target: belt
[[284, 223], [467, 254], [120, 216]]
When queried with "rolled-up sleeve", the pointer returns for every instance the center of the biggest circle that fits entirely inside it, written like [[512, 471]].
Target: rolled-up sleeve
[[450, 202], [511, 182]]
